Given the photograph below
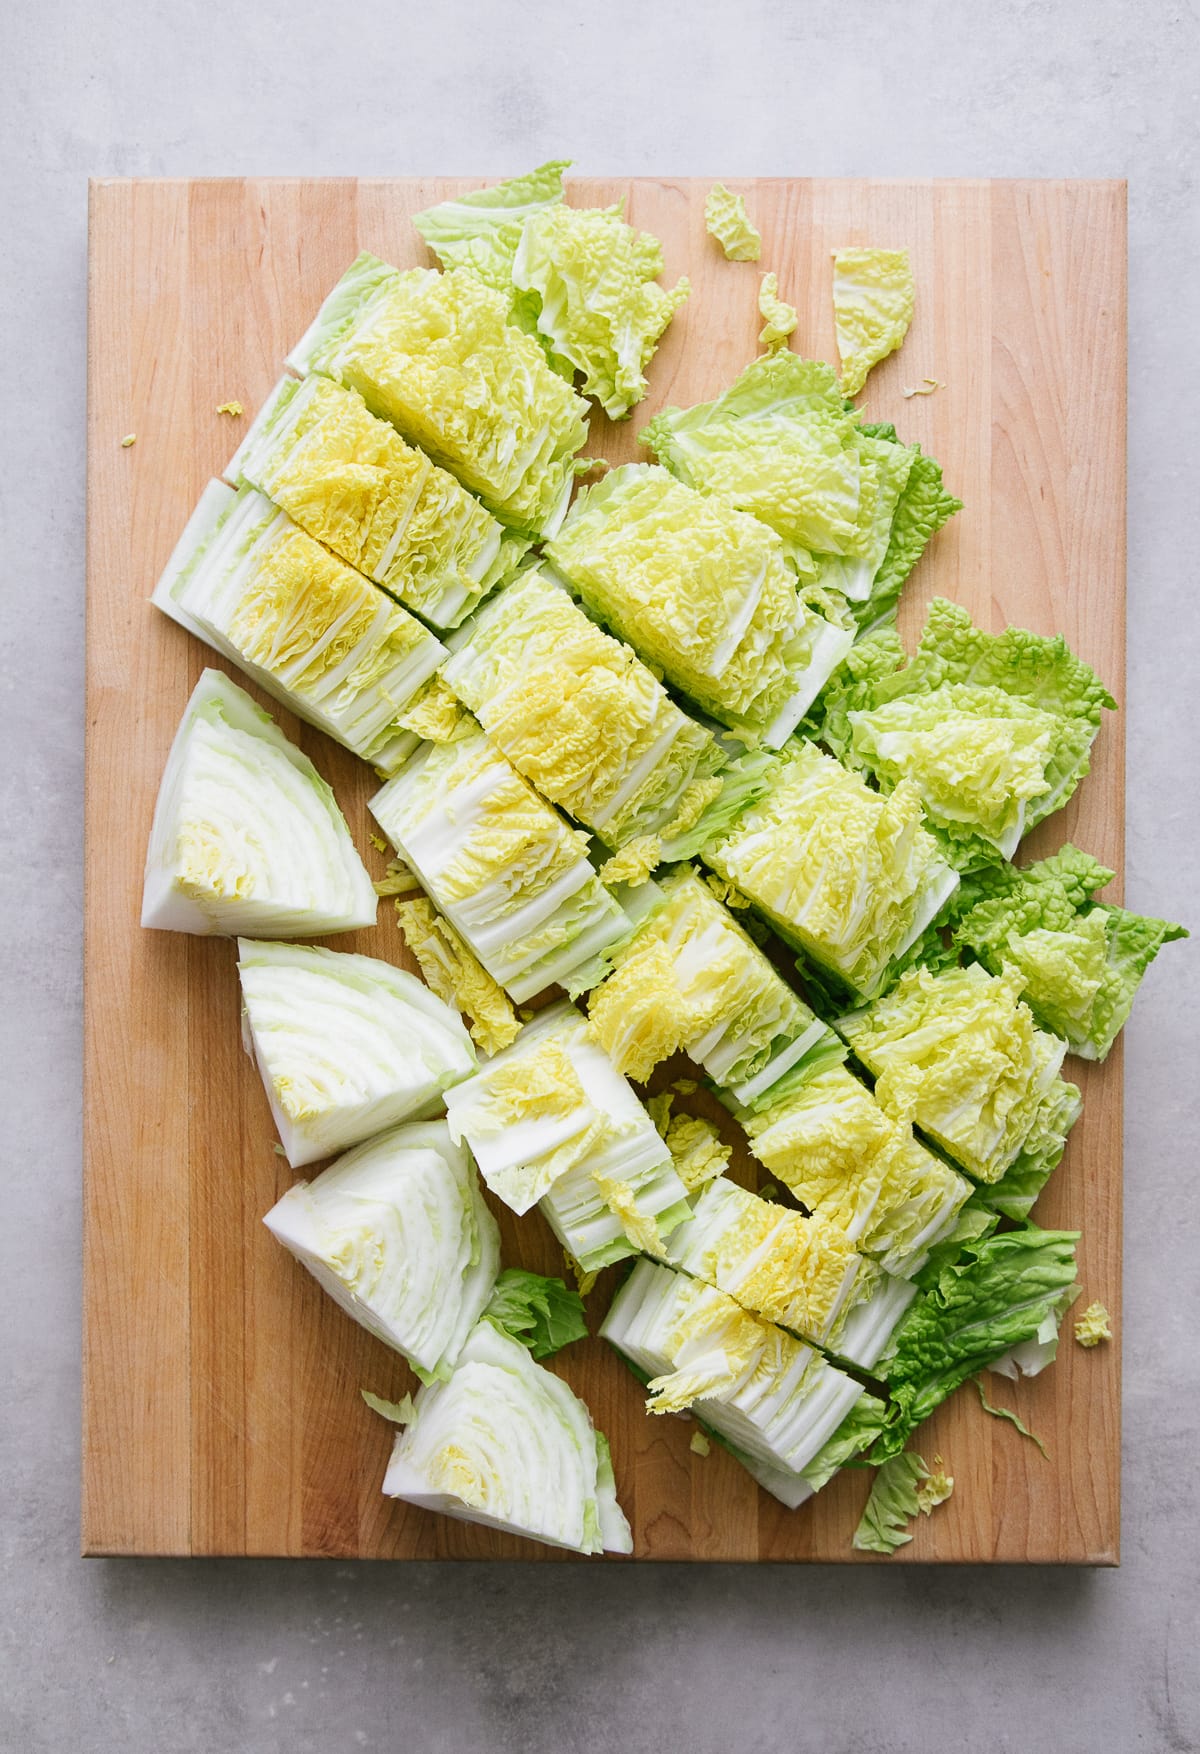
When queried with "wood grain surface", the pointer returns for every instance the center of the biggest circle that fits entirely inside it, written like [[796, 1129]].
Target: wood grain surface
[[221, 1404]]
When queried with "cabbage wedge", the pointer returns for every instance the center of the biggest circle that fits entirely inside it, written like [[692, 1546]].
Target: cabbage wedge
[[1081, 960], [958, 1054], [345, 1045], [378, 503], [247, 839], [505, 1443], [703, 592], [849, 1163], [398, 1233], [551, 1122], [850, 878], [690, 978], [436, 355], [317, 635], [513, 880], [581, 717], [767, 1394]]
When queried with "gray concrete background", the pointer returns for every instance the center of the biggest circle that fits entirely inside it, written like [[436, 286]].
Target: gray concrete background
[[151, 1657]]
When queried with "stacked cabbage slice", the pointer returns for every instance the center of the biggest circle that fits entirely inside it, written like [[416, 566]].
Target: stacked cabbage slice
[[551, 1121], [352, 482], [247, 838], [849, 877], [582, 717], [704, 592], [502, 865], [313, 632], [691, 978], [436, 355], [775, 1401]]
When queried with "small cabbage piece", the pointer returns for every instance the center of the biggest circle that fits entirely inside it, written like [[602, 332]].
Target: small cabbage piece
[[850, 878], [601, 310], [994, 730], [797, 1271], [957, 1054], [317, 635], [247, 838], [503, 866], [505, 1443], [580, 279], [726, 219], [456, 974], [1093, 1326], [435, 354], [550, 1120], [691, 979], [538, 1311], [703, 592], [346, 1045], [999, 1294], [873, 298], [1081, 961], [904, 1487], [582, 718], [848, 1162], [351, 481], [482, 230], [768, 1395], [853, 507], [779, 317], [398, 1233]]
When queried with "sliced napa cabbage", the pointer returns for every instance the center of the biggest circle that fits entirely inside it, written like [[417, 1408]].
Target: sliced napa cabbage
[[957, 1054], [1013, 1196], [779, 317], [346, 1045], [247, 838], [855, 1434], [503, 866], [726, 219], [482, 230], [848, 1162], [601, 309], [581, 716], [870, 1317], [873, 299], [853, 506], [352, 482], [507, 1444], [580, 279], [317, 635], [904, 1487], [702, 591], [551, 1121], [849, 877], [799, 1272], [398, 1233], [691, 979], [456, 974], [764, 1392], [695, 1144], [999, 1294], [436, 355], [994, 730], [1082, 961]]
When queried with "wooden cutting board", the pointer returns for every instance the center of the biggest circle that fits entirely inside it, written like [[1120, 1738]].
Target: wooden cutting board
[[221, 1404]]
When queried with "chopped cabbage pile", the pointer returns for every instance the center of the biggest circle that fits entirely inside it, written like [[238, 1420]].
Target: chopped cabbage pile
[[696, 660]]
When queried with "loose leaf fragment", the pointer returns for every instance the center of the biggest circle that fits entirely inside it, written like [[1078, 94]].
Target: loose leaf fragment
[[779, 317], [1013, 1418], [904, 1487], [725, 219], [1092, 1326]]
